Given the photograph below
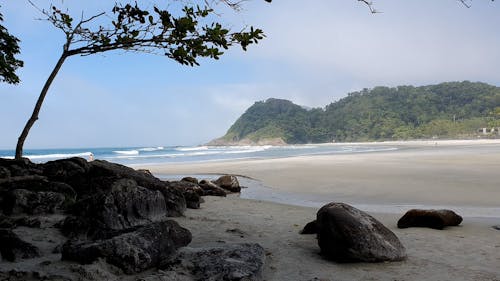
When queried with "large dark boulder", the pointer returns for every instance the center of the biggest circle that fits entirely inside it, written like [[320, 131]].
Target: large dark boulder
[[12, 248], [210, 188], [437, 219], [125, 205], [346, 234], [135, 251], [229, 262], [19, 201]]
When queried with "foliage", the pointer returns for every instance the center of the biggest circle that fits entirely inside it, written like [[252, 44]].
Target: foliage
[[8, 49], [184, 36], [447, 110]]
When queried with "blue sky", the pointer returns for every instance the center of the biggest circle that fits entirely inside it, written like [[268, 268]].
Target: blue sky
[[315, 53]]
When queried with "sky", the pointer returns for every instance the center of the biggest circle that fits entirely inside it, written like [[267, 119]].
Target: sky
[[315, 53]]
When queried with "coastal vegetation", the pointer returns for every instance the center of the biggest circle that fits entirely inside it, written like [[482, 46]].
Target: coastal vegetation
[[446, 110]]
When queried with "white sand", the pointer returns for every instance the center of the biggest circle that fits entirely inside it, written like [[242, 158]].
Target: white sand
[[463, 174]]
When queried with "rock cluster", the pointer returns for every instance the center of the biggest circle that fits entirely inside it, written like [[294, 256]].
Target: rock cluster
[[110, 213]]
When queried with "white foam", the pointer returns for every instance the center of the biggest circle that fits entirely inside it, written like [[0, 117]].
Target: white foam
[[195, 148], [151, 148], [127, 152], [58, 155]]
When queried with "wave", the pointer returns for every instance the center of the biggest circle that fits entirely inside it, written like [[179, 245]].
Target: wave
[[151, 148], [127, 152], [195, 148], [58, 155]]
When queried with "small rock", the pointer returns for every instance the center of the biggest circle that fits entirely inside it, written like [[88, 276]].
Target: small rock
[[210, 188], [497, 227], [437, 219], [190, 179], [310, 228], [229, 183]]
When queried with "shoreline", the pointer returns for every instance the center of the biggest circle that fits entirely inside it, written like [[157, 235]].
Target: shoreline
[[449, 174], [458, 174]]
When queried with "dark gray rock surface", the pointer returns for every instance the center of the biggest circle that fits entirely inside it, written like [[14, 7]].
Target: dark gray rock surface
[[135, 251], [230, 262], [346, 234], [12, 248]]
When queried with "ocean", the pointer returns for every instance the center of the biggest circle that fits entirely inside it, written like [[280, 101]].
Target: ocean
[[177, 154]]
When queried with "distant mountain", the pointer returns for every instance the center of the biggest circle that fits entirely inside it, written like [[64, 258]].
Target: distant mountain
[[446, 110]]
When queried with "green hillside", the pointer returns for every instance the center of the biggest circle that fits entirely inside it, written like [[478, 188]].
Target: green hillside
[[446, 110]]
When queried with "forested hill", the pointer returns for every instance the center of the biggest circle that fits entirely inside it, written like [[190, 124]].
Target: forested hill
[[446, 110]]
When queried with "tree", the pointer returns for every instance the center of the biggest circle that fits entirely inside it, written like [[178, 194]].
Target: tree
[[8, 49], [184, 36]]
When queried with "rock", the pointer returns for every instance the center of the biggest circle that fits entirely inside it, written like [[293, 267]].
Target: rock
[[230, 262], [20, 201], [210, 188], [4, 173], [190, 179], [310, 228], [497, 227], [192, 192], [19, 168], [437, 219], [13, 248], [229, 183], [135, 251], [124, 206], [346, 234]]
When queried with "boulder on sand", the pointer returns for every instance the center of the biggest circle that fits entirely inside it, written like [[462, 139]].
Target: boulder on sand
[[346, 234], [228, 183], [437, 219], [210, 188]]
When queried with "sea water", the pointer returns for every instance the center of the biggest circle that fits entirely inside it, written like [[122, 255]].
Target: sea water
[[176, 154]]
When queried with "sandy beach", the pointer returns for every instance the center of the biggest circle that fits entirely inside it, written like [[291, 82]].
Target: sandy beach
[[462, 175]]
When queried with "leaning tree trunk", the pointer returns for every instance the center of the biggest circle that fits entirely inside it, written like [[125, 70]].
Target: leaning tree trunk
[[38, 106]]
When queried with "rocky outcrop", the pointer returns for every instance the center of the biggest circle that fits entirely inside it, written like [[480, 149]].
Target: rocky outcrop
[[346, 234], [135, 251], [12, 248], [229, 183], [436, 219], [230, 262]]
